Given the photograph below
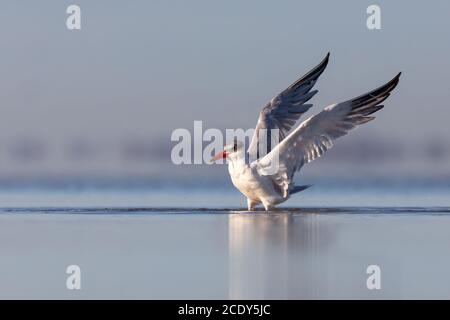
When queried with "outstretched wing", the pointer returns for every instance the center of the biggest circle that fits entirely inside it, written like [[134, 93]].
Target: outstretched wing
[[316, 134], [284, 110]]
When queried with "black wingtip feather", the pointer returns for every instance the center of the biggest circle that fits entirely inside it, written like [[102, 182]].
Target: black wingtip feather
[[377, 93], [314, 73], [369, 103], [374, 109]]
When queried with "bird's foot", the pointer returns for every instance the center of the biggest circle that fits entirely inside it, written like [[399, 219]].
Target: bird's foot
[[251, 205], [268, 207]]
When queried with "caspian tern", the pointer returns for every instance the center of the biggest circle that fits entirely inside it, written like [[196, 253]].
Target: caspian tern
[[305, 143]]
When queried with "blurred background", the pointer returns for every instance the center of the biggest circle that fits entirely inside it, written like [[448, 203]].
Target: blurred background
[[98, 106], [86, 176]]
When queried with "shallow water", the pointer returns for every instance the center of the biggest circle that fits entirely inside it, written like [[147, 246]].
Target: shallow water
[[157, 248]]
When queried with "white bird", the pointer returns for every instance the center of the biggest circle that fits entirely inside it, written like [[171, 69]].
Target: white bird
[[305, 143]]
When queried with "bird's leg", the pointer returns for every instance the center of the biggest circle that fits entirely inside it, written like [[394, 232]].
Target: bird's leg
[[250, 204], [267, 206]]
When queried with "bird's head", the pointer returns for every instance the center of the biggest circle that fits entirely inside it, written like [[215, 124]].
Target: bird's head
[[229, 151]]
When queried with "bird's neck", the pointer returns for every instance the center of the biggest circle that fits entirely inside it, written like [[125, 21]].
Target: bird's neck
[[236, 161]]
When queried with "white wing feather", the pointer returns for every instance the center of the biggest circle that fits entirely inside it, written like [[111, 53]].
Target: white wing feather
[[316, 134]]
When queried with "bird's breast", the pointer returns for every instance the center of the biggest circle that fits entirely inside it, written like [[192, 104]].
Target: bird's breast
[[252, 185], [245, 181]]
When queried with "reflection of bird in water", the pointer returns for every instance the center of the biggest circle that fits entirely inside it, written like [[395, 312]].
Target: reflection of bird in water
[[276, 256], [269, 178]]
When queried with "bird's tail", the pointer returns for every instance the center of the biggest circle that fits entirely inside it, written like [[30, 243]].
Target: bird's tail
[[296, 189]]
